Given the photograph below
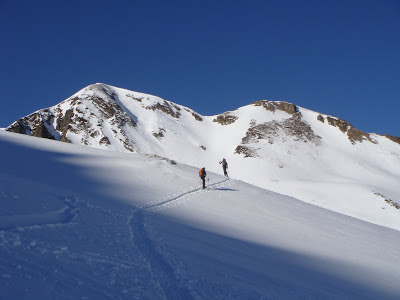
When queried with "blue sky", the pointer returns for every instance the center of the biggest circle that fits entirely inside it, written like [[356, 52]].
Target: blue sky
[[337, 57]]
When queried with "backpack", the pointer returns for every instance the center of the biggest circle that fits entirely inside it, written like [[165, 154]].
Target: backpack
[[201, 172]]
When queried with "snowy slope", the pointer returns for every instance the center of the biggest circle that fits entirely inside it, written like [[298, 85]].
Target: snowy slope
[[288, 149], [79, 222]]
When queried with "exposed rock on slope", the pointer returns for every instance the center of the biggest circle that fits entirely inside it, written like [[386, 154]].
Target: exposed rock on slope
[[36, 124], [280, 105], [353, 134], [293, 127], [98, 116], [81, 118], [393, 138], [225, 118]]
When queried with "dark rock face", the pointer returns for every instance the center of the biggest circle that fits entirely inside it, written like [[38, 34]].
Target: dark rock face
[[37, 124], [18, 127], [42, 131], [160, 134], [354, 135], [268, 105], [84, 116], [196, 116], [388, 201], [166, 108], [104, 141], [287, 107], [225, 119], [246, 151], [63, 121], [63, 124], [393, 138], [341, 124], [293, 127], [280, 105], [134, 98]]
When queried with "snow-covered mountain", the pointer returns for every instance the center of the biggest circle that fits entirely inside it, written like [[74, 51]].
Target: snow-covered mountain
[[279, 146], [83, 223]]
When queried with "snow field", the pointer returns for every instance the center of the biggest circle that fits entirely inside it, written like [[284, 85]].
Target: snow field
[[139, 226], [319, 172]]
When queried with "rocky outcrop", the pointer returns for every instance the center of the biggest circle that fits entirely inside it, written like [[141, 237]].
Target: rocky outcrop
[[196, 116], [393, 138], [225, 119], [82, 116], [167, 108], [293, 127], [277, 105], [341, 124], [38, 124], [388, 201], [354, 135], [246, 151], [321, 119], [159, 134], [19, 127]]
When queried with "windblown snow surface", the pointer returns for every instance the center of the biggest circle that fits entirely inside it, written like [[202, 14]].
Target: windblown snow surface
[[84, 223]]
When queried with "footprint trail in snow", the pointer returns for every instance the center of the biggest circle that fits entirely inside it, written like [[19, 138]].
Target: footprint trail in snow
[[162, 272]]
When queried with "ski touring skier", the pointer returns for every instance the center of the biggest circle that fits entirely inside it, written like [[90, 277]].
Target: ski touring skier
[[203, 174], [224, 166]]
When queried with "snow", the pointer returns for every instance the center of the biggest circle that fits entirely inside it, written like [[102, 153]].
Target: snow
[[84, 223], [329, 172]]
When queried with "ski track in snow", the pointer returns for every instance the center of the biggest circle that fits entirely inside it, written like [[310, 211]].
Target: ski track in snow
[[165, 279], [174, 199], [171, 285]]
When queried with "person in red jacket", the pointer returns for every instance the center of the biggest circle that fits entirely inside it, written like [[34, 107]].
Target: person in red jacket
[[203, 174]]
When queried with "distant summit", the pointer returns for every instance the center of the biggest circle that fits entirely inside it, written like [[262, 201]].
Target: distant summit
[[106, 117], [97, 116], [273, 144]]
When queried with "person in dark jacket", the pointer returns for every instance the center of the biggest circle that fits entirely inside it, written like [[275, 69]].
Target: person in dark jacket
[[224, 166], [203, 174]]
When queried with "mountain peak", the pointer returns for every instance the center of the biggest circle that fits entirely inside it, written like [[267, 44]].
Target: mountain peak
[[270, 142], [104, 116], [277, 105]]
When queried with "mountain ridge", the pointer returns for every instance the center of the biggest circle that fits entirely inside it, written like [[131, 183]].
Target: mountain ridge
[[274, 145], [36, 125]]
